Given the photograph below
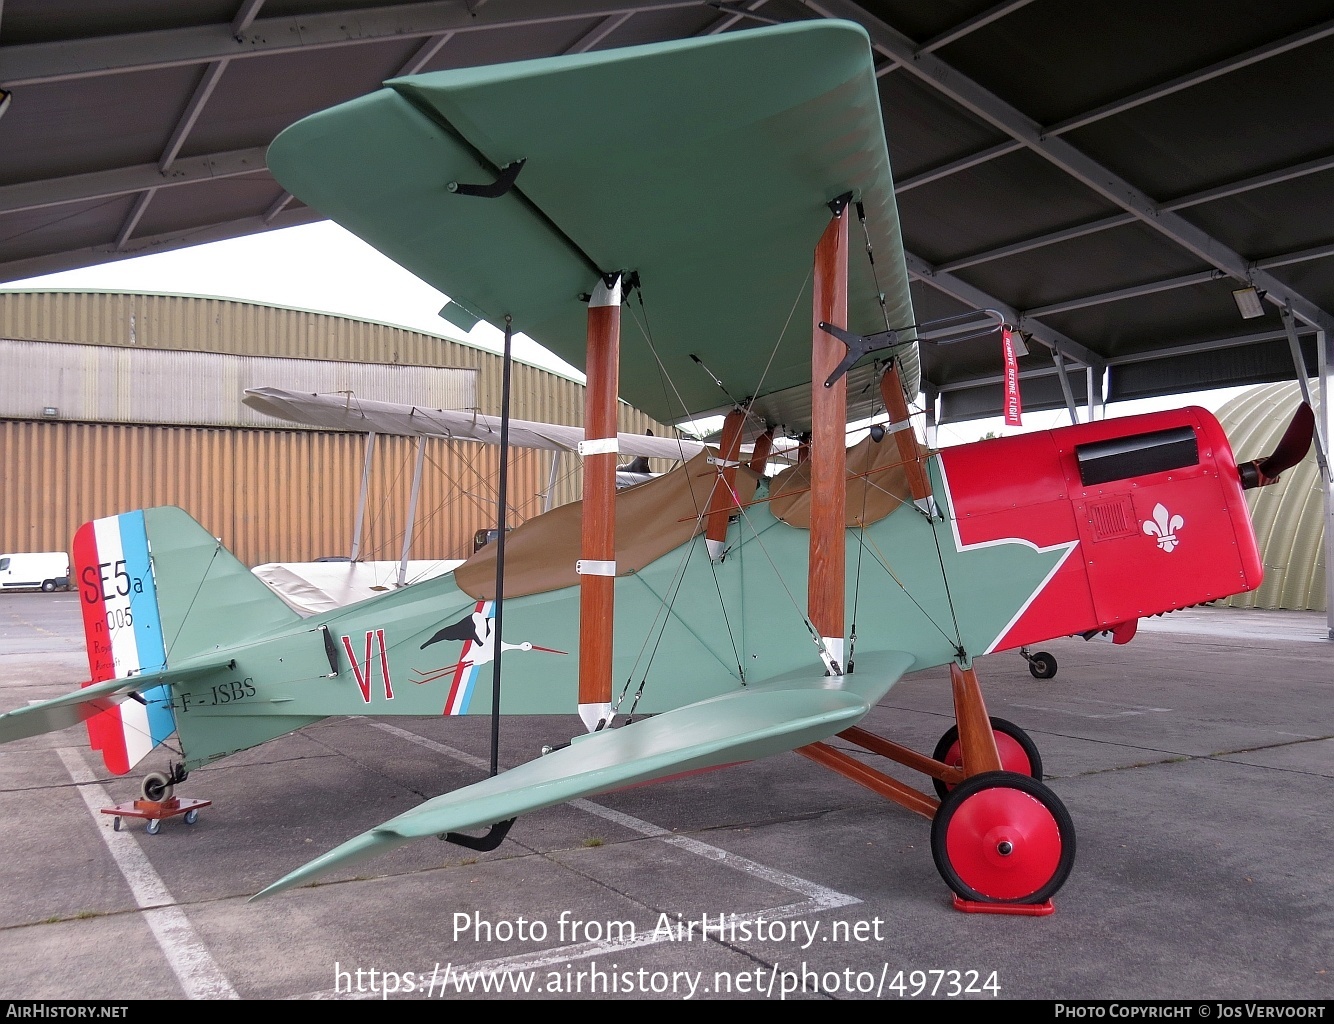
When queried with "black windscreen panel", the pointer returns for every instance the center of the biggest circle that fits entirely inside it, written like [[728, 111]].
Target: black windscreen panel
[[1122, 457]]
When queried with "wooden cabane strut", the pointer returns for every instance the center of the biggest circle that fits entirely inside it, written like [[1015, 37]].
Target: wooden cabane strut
[[722, 498]]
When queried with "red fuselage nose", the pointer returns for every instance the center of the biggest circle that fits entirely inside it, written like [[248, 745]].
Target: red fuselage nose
[[1150, 509]]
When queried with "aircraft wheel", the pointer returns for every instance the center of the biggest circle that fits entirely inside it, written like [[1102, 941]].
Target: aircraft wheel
[[1002, 837], [1018, 752], [1042, 666], [156, 787], [191, 816], [154, 826]]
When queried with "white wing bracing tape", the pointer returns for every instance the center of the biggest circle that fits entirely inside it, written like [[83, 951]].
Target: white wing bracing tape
[[600, 446]]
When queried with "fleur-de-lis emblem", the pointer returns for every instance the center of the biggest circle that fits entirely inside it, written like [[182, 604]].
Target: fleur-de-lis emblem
[[1164, 527]]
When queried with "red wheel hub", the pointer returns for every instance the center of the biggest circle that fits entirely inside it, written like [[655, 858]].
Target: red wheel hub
[[1003, 843], [1012, 755]]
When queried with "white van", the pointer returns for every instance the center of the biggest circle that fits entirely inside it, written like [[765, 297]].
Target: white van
[[33, 570]]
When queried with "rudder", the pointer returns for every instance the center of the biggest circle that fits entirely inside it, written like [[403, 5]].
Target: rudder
[[156, 587], [122, 629]]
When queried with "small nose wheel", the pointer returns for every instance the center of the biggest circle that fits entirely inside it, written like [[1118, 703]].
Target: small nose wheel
[[1041, 665]]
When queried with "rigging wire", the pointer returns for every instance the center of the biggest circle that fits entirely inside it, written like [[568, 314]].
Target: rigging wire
[[861, 544], [879, 556], [646, 330], [935, 533], [666, 379], [870, 258], [665, 612]]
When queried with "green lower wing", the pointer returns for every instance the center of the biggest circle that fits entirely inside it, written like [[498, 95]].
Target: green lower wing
[[764, 719]]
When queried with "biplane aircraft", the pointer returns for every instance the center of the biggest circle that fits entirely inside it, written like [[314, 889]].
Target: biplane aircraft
[[668, 216]]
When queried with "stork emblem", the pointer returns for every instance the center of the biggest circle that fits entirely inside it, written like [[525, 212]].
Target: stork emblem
[[477, 631], [1164, 526]]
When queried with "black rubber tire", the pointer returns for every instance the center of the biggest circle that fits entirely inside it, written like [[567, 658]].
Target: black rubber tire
[[156, 787], [999, 725], [49, 587], [1042, 666], [1060, 820]]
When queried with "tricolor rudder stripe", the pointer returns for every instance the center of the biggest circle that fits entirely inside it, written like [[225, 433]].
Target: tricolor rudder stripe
[[123, 632]]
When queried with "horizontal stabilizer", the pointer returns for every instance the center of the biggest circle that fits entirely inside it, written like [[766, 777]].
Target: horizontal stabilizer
[[81, 705], [764, 719]]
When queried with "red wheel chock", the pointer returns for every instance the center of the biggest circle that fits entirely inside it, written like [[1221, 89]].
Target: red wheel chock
[[1020, 909]]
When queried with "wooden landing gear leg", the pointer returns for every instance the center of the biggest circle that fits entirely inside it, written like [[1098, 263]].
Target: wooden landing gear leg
[[1001, 839]]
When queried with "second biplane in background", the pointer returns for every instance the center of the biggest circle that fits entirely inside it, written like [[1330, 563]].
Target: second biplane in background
[[333, 582]]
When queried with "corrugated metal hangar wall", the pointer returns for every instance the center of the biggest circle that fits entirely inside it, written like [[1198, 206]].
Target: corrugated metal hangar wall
[[1289, 517], [86, 432]]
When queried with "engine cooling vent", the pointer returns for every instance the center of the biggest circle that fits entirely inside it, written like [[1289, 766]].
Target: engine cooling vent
[[1112, 518]]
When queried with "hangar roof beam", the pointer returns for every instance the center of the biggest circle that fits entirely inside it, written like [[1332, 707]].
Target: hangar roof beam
[[921, 270], [992, 109], [31, 63], [50, 263], [119, 181], [1233, 188]]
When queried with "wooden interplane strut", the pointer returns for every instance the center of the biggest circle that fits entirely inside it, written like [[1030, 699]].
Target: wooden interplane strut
[[829, 405], [597, 566]]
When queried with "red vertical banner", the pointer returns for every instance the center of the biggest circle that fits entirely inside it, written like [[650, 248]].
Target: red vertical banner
[[1014, 410]]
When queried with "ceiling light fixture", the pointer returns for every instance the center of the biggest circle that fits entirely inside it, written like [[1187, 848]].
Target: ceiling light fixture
[[1248, 302]]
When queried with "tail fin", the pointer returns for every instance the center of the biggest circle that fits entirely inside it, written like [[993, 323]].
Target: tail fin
[[156, 587]]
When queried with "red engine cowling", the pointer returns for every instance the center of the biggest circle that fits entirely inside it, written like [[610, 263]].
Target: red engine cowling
[[1149, 507]]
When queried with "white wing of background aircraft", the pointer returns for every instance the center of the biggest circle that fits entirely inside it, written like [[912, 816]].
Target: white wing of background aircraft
[[311, 587]]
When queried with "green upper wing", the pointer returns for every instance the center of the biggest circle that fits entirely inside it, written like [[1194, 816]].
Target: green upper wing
[[702, 164]]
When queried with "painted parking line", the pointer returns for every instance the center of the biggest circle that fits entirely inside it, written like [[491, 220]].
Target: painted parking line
[[1088, 707], [199, 974], [816, 897]]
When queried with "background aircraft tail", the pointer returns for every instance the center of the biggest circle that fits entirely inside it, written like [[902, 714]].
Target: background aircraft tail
[[157, 589]]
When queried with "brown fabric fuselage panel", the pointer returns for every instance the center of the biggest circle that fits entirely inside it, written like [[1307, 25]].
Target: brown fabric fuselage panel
[[877, 485], [652, 518]]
